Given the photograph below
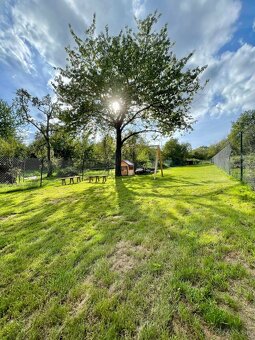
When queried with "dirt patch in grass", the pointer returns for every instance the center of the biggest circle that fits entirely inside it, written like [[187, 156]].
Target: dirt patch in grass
[[56, 201], [248, 315], [126, 256], [235, 258], [7, 217], [180, 329], [113, 219], [246, 309], [80, 304], [209, 334]]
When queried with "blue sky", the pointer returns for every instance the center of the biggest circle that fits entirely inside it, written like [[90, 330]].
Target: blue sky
[[33, 34]]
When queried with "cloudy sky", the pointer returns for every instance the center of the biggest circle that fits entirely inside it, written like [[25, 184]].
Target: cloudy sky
[[33, 34]]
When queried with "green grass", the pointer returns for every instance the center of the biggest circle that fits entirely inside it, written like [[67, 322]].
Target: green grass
[[135, 258]]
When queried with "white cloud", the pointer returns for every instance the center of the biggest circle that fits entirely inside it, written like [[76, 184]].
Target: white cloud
[[14, 47], [253, 25], [201, 25], [39, 29], [231, 88], [139, 8], [44, 24]]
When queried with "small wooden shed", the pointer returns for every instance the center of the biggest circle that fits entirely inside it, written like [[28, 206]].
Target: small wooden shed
[[127, 168]]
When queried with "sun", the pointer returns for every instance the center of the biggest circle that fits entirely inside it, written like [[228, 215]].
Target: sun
[[115, 105]]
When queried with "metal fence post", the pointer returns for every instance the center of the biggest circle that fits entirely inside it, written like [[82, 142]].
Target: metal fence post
[[41, 178]]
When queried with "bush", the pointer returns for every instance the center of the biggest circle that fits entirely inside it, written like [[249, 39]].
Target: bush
[[69, 171]]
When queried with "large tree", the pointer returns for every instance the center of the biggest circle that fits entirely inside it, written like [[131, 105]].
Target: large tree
[[245, 124], [130, 83], [9, 121], [176, 152], [46, 110]]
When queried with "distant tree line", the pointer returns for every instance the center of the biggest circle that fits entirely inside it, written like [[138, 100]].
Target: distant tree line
[[67, 145]]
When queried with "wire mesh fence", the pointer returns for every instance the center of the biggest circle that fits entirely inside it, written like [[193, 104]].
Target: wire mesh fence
[[10, 170], [222, 159], [16, 171], [36, 171], [238, 157]]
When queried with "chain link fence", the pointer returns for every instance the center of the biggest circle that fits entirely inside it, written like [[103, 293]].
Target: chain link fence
[[15, 170], [35, 171], [222, 159], [238, 157]]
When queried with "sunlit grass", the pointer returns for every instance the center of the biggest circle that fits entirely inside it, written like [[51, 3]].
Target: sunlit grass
[[132, 258]]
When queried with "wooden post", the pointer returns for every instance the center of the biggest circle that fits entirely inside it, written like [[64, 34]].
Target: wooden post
[[156, 164], [160, 161]]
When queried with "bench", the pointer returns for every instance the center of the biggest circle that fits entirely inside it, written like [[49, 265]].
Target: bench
[[104, 178], [97, 178], [71, 179]]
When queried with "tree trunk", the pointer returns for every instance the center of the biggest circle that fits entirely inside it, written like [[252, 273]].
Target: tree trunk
[[50, 168], [118, 152]]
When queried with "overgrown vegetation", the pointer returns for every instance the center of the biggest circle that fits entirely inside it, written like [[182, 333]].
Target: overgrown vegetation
[[171, 258]]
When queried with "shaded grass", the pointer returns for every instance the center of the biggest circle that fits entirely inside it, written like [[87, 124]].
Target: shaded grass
[[170, 258]]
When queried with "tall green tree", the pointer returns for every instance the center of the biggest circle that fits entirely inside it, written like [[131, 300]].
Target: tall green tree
[[176, 152], [200, 153], [245, 124], [12, 147], [130, 83], [104, 150], [64, 144], [9, 121], [28, 106]]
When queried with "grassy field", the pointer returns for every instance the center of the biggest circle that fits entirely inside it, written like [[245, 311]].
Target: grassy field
[[135, 258]]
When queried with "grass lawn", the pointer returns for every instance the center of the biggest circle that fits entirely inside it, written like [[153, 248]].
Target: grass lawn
[[135, 258]]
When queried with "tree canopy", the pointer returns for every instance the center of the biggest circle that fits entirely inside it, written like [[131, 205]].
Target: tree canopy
[[246, 124], [9, 121], [129, 83], [46, 110], [176, 152]]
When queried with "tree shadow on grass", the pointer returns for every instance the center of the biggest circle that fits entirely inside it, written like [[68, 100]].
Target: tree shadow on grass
[[60, 244], [202, 243], [110, 216]]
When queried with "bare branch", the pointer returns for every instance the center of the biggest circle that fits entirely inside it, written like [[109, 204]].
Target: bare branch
[[138, 132], [111, 121], [134, 116]]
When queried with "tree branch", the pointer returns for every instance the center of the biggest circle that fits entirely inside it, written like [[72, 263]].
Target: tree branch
[[110, 121], [30, 120], [134, 116], [138, 132]]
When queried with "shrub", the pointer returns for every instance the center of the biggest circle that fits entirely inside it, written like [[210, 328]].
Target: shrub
[[69, 171]]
